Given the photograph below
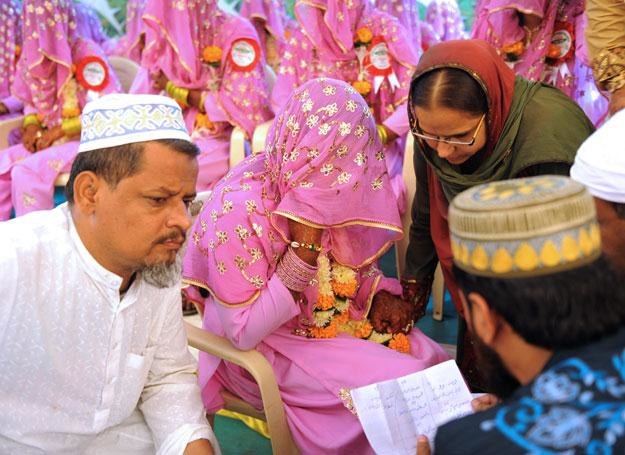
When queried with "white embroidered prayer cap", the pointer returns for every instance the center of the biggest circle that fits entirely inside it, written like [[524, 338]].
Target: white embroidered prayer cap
[[600, 161], [118, 119]]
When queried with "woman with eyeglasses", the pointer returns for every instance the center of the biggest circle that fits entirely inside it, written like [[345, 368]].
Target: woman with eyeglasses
[[473, 122]]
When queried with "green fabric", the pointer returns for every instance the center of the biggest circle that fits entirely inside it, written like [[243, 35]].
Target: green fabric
[[543, 126]]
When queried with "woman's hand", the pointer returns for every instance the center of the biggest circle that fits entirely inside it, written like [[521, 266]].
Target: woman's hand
[[30, 136], [49, 137], [390, 313], [418, 294], [159, 80]]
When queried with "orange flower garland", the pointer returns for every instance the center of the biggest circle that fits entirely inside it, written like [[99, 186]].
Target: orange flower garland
[[337, 285]]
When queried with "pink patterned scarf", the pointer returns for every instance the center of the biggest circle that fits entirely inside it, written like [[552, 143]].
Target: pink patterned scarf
[[323, 166]]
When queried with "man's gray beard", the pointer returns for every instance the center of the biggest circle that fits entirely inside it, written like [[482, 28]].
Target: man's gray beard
[[165, 275]]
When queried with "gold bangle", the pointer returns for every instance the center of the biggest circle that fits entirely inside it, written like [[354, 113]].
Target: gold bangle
[[170, 88], [181, 94], [383, 134], [31, 119]]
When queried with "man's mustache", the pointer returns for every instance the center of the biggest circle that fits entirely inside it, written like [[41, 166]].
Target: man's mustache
[[177, 236]]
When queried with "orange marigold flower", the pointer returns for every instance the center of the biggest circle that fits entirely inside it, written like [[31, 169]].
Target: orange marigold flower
[[362, 87], [328, 331], [345, 289], [342, 318], [515, 49], [400, 343], [364, 35], [18, 51], [364, 330], [212, 55], [325, 301]]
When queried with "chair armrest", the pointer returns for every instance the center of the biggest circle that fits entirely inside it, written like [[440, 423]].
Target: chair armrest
[[257, 365]]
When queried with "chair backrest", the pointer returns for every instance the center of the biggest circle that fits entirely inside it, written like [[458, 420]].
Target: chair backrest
[[410, 180], [270, 78], [6, 126], [125, 69], [260, 137], [237, 146]]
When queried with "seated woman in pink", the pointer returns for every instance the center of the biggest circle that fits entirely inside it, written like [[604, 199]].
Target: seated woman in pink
[[10, 48], [48, 82], [282, 257], [212, 64]]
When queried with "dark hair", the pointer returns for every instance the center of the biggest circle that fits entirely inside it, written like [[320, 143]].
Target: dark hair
[[451, 88], [114, 164], [562, 310]]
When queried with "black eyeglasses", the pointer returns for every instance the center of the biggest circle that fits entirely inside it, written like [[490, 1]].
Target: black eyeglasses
[[426, 137]]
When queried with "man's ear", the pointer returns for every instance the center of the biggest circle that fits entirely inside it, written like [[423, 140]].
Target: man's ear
[[86, 188], [485, 322]]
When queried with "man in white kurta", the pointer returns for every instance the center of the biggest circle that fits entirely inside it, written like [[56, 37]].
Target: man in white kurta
[[84, 367]]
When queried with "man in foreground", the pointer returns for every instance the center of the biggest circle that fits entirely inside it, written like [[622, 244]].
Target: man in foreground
[[547, 312], [94, 354]]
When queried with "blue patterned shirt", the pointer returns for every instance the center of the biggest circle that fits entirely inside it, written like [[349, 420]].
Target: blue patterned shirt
[[575, 406]]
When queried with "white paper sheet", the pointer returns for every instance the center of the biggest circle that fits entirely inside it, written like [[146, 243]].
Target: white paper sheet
[[394, 413]]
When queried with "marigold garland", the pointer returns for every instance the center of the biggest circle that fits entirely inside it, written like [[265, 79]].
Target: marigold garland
[[337, 285]]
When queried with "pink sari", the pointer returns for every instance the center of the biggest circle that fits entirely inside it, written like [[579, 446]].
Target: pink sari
[[325, 47], [322, 155], [27, 179], [10, 39], [407, 11], [129, 45], [176, 35], [445, 18]]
